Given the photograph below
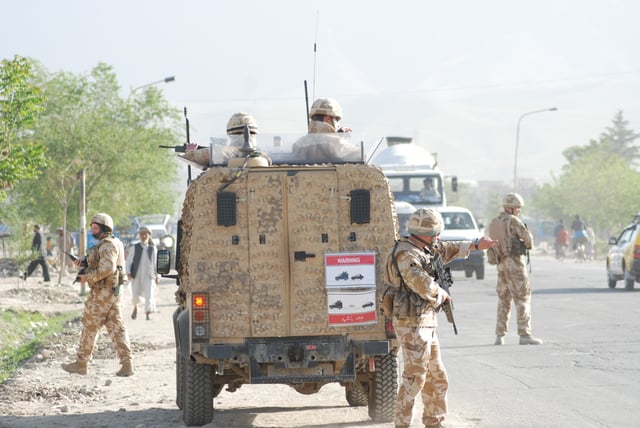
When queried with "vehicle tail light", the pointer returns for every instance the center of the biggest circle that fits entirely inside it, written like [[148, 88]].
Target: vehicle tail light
[[200, 316], [636, 251], [388, 328]]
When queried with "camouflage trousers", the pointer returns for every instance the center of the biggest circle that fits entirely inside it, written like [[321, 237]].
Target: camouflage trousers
[[102, 308], [513, 287], [423, 373]]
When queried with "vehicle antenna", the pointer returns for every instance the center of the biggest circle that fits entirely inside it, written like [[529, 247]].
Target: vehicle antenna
[[306, 100], [315, 54], [186, 121]]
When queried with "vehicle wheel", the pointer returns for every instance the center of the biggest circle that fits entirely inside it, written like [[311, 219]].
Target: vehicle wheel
[[468, 272], [383, 388], [198, 393], [179, 380], [480, 272], [612, 281], [629, 281], [356, 395]]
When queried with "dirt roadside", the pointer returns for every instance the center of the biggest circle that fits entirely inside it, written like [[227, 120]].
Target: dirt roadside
[[41, 394]]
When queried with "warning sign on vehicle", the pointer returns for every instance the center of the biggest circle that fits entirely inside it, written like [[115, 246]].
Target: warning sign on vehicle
[[348, 307], [345, 270]]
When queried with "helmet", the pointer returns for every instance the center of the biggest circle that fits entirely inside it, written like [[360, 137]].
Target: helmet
[[326, 107], [425, 221], [103, 219], [238, 121], [513, 200]]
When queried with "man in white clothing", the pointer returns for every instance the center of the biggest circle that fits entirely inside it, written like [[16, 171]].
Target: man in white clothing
[[141, 270]]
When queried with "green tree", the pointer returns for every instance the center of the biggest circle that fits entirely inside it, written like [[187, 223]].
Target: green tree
[[20, 102], [617, 139], [87, 125]]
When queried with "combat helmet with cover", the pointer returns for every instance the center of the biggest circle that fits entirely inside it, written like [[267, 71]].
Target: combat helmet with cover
[[104, 220], [238, 121], [513, 200], [425, 222], [326, 107]]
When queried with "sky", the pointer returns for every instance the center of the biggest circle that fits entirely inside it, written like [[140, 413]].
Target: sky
[[457, 76]]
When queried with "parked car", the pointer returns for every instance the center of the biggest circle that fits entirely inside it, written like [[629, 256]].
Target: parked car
[[623, 259], [460, 225]]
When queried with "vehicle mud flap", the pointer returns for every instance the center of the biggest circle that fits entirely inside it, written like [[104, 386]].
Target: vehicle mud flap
[[300, 360]]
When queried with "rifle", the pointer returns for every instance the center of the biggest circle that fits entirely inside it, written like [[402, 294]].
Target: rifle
[[444, 279], [83, 264]]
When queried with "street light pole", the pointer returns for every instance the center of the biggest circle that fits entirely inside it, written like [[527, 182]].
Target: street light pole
[[515, 160], [165, 80]]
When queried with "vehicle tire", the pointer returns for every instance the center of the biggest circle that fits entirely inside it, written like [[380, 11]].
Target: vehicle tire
[[383, 389], [612, 281], [179, 380], [629, 281], [356, 395], [468, 272], [480, 272], [198, 393]]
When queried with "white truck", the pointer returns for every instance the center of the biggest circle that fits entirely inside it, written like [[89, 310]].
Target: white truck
[[413, 173]]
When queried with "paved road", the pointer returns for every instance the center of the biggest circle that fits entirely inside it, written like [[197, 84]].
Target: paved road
[[586, 374]]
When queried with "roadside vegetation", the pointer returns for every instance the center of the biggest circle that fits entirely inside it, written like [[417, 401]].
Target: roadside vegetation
[[23, 333]]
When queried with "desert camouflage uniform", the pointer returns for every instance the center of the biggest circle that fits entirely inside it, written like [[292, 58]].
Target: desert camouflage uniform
[[513, 280], [323, 144], [424, 371], [102, 307]]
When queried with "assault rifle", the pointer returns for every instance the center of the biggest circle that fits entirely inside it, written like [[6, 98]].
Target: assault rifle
[[444, 279], [83, 264]]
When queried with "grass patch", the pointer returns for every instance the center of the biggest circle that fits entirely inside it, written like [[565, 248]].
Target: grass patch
[[23, 333]]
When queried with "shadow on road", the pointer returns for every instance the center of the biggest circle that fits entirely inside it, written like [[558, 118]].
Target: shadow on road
[[582, 290]]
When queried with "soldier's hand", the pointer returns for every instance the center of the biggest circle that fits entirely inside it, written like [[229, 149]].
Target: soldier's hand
[[485, 243]]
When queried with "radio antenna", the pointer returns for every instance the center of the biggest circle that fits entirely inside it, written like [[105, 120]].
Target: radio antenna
[[315, 54]]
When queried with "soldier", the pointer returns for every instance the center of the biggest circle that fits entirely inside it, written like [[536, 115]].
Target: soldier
[[235, 133], [417, 299], [514, 241], [102, 307], [323, 142]]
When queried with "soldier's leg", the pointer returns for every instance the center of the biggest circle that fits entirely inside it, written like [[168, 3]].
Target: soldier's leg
[[434, 393], [92, 320], [416, 344], [504, 305], [521, 291], [117, 331]]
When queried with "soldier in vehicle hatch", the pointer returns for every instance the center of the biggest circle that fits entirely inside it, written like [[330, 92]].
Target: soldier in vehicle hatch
[[324, 142], [235, 133]]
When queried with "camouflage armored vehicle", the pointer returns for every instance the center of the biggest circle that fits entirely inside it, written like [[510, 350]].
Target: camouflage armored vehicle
[[279, 272]]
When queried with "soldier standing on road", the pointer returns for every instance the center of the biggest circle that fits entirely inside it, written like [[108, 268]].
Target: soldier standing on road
[[325, 142], [514, 241], [102, 307], [417, 299]]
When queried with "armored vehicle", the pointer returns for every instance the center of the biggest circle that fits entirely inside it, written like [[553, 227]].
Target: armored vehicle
[[279, 271]]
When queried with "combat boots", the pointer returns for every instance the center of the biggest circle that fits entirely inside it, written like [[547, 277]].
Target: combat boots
[[530, 340], [126, 369], [78, 367]]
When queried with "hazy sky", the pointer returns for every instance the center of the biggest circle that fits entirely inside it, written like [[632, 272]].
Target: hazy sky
[[456, 75]]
